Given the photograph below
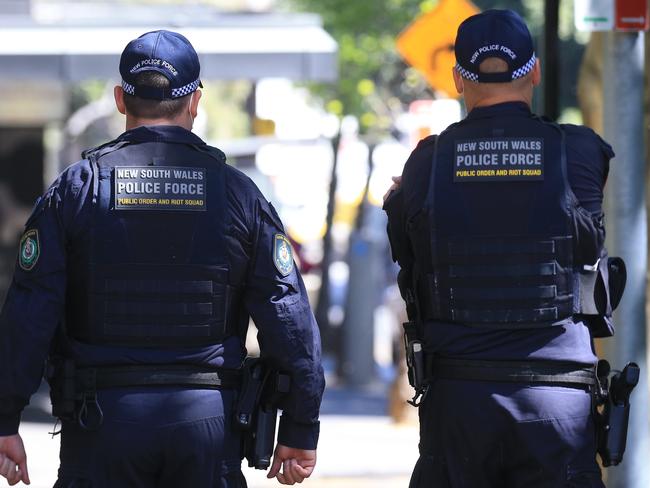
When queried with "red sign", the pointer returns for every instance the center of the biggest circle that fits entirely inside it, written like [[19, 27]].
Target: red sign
[[632, 15]]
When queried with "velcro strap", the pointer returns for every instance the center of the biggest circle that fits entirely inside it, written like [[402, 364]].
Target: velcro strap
[[549, 314], [157, 308], [156, 287], [473, 248], [520, 293], [566, 373], [160, 375], [499, 270], [157, 331]]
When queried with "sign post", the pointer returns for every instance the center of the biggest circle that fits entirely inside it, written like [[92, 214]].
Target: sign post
[[631, 15], [428, 43], [611, 15]]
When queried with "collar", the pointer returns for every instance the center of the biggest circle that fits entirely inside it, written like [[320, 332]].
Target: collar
[[161, 133], [500, 109]]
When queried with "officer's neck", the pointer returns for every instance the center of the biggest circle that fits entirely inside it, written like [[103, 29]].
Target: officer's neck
[[486, 101], [183, 121]]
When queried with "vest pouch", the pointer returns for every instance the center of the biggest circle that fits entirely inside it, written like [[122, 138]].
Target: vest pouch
[[599, 291], [617, 280]]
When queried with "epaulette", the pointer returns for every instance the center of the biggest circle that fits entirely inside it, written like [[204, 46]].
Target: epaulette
[[216, 153], [427, 141], [103, 149]]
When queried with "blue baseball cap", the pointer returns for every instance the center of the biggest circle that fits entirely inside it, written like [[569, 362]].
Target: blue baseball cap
[[494, 33], [166, 52]]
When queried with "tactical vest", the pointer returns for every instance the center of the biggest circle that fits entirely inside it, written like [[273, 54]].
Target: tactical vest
[[498, 224], [153, 269]]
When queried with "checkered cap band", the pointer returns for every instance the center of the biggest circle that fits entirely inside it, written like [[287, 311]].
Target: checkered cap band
[[516, 74], [176, 92], [185, 90], [525, 69], [468, 75], [128, 88]]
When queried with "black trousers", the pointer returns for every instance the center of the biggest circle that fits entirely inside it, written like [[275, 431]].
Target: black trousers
[[501, 435], [155, 438]]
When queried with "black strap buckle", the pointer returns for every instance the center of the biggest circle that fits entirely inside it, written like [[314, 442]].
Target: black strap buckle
[[91, 415], [419, 397]]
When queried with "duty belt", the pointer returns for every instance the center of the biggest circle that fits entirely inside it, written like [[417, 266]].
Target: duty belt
[[549, 372], [99, 378]]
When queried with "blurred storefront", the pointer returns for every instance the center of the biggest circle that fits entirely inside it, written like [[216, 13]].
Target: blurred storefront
[[47, 48]]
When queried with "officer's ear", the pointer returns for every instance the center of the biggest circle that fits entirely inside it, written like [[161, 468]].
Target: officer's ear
[[118, 93], [194, 103], [458, 81], [537, 73]]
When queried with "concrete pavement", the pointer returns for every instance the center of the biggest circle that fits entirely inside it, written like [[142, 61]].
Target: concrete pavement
[[359, 446]]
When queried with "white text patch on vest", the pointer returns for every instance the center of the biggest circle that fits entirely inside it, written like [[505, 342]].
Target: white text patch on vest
[[499, 159], [162, 188]]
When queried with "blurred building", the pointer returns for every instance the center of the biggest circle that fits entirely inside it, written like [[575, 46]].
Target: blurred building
[[49, 47]]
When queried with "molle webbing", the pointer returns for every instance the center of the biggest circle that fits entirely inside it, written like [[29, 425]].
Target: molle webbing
[[505, 282], [159, 304]]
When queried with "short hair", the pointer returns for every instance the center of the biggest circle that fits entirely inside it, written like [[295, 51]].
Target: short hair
[[145, 108]]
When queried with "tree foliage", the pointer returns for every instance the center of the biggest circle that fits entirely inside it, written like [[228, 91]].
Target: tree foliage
[[374, 82]]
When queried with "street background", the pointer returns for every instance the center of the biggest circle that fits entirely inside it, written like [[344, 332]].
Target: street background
[[320, 102]]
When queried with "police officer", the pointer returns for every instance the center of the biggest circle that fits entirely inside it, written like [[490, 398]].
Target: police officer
[[136, 275], [497, 225]]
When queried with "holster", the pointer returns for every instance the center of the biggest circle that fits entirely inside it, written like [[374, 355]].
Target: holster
[[415, 361], [256, 411], [612, 419]]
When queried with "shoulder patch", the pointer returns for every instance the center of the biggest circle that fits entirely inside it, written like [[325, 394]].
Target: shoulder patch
[[282, 254], [29, 250]]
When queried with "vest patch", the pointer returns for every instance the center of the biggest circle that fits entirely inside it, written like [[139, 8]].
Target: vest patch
[[160, 188], [282, 254], [30, 250], [503, 159]]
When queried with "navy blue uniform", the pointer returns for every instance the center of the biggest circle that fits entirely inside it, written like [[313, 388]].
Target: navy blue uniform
[[157, 436], [490, 434]]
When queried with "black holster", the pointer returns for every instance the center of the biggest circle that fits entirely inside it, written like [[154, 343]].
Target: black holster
[[415, 361], [612, 420], [256, 412]]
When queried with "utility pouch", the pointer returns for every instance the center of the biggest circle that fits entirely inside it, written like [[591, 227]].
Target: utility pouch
[[60, 374], [613, 420], [256, 412]]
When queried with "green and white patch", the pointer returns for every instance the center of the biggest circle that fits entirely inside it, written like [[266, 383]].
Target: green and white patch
[[30, 250], [282, 254]]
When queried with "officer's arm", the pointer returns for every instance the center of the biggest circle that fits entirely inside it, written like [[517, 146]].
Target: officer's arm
[[30, 315], [288, 335], [406, 196], [32, 310]]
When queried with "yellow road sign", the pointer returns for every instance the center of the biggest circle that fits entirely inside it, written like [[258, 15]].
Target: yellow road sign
[[427, 43]]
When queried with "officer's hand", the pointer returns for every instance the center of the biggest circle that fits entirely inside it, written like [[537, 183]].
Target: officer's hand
[[296, 464], [397, 181], [13, 460]]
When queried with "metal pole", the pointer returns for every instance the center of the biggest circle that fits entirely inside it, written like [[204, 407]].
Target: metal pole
[[364, 259], [551, 67], [623, 80], [330, 343]]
